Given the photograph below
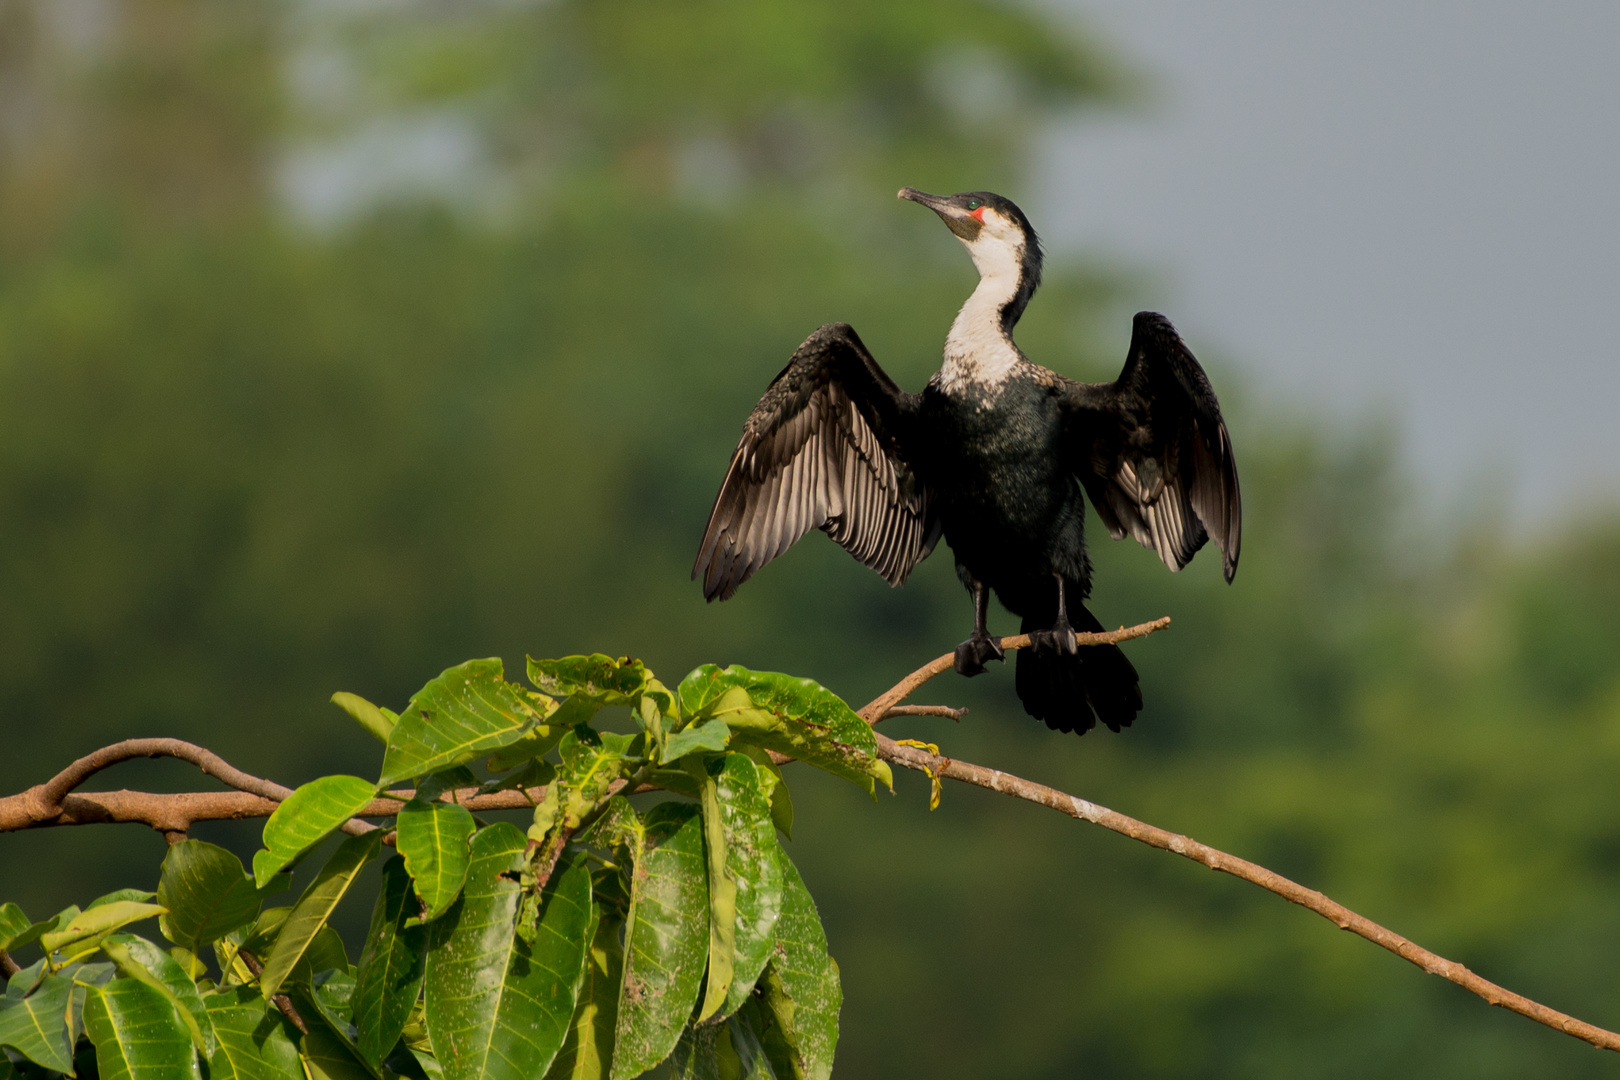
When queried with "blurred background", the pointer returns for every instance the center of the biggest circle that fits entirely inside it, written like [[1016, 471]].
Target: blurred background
[[343, 341]]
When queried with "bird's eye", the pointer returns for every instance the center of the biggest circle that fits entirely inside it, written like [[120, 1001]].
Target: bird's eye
[[974, 204]]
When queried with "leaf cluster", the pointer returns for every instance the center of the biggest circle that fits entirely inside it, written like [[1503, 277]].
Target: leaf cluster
[[610, 939]]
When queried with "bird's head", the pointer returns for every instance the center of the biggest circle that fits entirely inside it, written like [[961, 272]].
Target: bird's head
[[997, 235]]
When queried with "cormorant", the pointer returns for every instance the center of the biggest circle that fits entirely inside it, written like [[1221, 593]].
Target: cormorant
[[993, 455]]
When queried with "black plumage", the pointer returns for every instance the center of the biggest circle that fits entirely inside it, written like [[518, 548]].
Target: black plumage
[[993, 455]]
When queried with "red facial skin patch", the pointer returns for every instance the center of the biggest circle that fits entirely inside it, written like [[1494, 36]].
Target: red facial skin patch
[[979, 213]]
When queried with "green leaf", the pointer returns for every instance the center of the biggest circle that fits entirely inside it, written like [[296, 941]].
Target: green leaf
[[618, 825], [729, 1051], [138, 895], [597, 678], [315, 907], [588, 769], [573, 712], [428, 1064], [792, 716], [37, 1026], [326, 1058], [586, 1053], [377, 721], [391, 967], [752, 1061], [84, 977], [83, 933], [143, 961], [722, 896], [777, 1051], [776, 789], [253, 1040], [667, 939], [678, 781], [26, 980], [433, 838], [308, 816], [138, 1033], [331, 994], [802, 991], [586, 772], [467, 711], [536, 744], [663, 700], [16, 931], [189, 962], [754, 862], [651, 717], [325, 953], [256, 939], [333, 1051], [711, 735], [498, 1007], [435, 784], [533, 774], [207, 893]]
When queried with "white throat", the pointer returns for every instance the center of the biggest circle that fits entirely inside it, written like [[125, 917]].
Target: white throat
[[979, 355]]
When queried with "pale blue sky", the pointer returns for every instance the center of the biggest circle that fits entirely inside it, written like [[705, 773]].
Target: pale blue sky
[[1406, 209]]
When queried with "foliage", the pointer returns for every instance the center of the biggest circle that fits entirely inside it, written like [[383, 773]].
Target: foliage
[[609, 940], [245, 458]]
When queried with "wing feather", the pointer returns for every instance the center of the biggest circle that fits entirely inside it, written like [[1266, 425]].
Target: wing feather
[[1153, 453], [823, 449]]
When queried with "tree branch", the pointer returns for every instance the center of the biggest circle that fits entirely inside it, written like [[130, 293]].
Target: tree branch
[[923, 710], [53, 802], [937, 765], [53, 791], [882, 706], [178, 812]]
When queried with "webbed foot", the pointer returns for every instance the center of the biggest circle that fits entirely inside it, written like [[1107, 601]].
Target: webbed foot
[[1058, 641], [973, 653]]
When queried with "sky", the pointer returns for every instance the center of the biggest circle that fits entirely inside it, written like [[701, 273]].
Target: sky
[[1404, 211]]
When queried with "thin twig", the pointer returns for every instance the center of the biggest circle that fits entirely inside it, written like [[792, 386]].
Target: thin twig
[[938, 765], [54, 790], [47, 801], [176, 813], [8, 966], [923, 710], [882, 705]]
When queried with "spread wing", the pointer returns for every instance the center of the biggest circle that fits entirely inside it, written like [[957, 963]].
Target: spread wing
[[821, 450], [1152, 451]]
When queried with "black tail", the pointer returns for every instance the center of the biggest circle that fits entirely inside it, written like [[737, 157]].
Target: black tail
[[1071, 693]]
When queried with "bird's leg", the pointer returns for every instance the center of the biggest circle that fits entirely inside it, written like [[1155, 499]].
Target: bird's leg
[[1059, 639], [972, 653]]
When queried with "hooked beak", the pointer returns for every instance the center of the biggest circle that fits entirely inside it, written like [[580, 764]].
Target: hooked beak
[[958, 220]]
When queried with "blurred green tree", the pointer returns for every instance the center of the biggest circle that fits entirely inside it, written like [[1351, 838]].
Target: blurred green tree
[[341, 342]]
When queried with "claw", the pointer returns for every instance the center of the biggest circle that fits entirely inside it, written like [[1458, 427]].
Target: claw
[[972, 654]]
